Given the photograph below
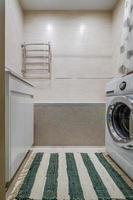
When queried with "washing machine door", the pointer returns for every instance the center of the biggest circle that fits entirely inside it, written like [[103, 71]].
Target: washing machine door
[[120, 121]]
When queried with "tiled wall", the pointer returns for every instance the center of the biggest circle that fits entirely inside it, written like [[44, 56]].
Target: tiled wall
[[13, 35], [71, 91], [81, 53], [70, 124], [85, 49]]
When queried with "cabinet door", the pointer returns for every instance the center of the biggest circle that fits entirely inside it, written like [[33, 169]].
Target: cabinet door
[[28, 139], [21, 122], [17, 131]]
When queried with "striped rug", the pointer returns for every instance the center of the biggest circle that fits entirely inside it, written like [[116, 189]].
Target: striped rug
[[71, 176]]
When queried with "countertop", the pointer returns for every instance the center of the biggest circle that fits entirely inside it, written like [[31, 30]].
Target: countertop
[[7, 70]]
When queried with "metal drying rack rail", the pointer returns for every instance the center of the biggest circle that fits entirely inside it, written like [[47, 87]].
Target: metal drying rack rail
[[38, 55]]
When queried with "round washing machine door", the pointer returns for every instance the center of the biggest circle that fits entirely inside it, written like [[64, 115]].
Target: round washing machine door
[[120, 121]]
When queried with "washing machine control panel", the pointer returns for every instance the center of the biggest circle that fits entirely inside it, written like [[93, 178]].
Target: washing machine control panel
[[122, 85]]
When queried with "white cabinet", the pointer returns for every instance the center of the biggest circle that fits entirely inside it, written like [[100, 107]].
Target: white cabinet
[[19, 122]]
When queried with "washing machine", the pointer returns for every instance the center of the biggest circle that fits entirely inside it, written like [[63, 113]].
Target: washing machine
[[119, 122]]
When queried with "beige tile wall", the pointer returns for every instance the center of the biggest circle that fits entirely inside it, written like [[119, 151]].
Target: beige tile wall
[[85, 49], [13, 35], [81, 51], [70, 124], [70, 90]]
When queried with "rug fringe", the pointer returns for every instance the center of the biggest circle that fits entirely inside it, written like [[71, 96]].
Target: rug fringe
[[21, 178], [119, 170]]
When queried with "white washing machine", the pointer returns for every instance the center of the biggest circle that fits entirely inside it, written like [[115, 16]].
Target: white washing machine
[[119, 122]]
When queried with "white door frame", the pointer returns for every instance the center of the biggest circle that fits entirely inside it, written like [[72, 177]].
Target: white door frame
[[2, 100]]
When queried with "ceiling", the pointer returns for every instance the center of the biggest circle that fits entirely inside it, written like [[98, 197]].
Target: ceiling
[[68, 4]]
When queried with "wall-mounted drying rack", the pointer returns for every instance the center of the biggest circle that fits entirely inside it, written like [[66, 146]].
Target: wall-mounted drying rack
[[36, 60]]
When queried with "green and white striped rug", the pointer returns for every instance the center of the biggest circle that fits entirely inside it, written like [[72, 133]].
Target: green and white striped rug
[[72, 176]]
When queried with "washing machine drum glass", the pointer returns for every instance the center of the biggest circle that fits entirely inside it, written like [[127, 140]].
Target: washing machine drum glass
[[119, 122]]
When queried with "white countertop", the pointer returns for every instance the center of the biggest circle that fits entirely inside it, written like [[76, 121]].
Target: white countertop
[[7, 70]]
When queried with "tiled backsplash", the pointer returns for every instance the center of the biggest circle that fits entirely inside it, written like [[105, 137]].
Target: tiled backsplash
[[70, 124]]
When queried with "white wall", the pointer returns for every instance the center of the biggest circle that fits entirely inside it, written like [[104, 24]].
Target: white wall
[[14, 35], [85, 49], [81, 53], [117, 23]]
